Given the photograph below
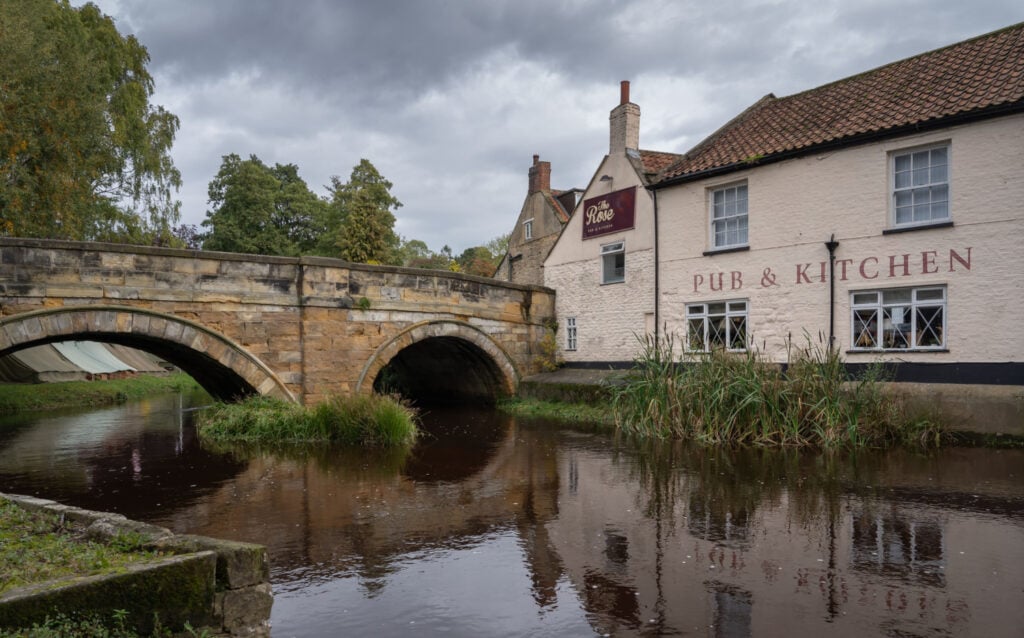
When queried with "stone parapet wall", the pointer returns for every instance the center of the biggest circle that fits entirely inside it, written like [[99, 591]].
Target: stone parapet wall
[[312, 322]]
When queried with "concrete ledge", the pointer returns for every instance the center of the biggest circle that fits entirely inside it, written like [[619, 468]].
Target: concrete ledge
[[174, 590], [222, 585]]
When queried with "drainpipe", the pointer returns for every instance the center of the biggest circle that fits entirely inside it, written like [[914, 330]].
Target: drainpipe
[[657, 267], [831, 245]]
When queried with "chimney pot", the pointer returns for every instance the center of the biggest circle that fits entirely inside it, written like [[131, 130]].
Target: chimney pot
[[535, 159], [624, 92]]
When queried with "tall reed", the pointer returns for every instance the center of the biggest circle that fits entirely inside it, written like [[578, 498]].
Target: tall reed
[[724, 397]]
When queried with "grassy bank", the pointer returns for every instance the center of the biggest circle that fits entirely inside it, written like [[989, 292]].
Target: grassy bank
[[374, 420], [37, 546], [743, 398], [17, 397], [591, 413]]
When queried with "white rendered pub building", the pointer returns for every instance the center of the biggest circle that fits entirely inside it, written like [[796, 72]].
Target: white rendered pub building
[[882, 213]]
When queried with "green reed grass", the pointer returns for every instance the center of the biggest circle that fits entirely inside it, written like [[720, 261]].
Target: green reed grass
[[743, 398], [369, 420]]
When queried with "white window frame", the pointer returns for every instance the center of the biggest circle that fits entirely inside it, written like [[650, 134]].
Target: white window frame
[[571, 333], [612, 273], [898, 319], [707, 321], [726, 219], [919, 186], [528, 229]]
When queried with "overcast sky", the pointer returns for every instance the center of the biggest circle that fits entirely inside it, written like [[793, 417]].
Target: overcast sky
[[451, 99]]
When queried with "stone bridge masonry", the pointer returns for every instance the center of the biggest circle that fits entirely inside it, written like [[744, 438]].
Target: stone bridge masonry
[[296, 328]]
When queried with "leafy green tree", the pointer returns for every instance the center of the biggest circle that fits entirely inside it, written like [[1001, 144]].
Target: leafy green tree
[[361, 221], [412, 250], [498, 247], [83, 153], [258, 209], [477, 260]]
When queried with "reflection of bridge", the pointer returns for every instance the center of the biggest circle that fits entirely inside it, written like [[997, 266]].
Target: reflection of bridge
[[301, 328]]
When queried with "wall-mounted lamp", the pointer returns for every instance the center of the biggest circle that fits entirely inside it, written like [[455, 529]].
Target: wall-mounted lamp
[[606, 178]]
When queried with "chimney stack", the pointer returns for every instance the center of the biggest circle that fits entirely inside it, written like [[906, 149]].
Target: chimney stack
[[540, 175], [624, 123]]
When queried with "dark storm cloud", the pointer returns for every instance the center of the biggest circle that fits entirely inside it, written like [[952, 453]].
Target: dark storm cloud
[[450, 99]]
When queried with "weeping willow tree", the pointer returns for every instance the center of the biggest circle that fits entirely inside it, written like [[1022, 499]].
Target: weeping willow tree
[[83, 153]]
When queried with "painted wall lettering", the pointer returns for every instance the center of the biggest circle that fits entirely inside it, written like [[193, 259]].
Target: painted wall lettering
[[904, 264], [867, 268], [953, 255]]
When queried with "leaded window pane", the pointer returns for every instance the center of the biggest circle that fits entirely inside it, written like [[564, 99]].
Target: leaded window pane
[[865, 328], [929, 326], [738, 333], [695, 334], [899, 319], [716, 332]]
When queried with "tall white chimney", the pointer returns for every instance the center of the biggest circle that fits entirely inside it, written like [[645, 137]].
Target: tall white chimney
[[625, 123]]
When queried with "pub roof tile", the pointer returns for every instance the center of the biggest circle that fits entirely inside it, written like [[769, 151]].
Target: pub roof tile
[[980, 74]]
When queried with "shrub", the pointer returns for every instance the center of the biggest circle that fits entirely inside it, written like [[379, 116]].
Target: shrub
[[371, 420]]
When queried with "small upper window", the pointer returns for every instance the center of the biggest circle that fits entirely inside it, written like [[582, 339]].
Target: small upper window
[[528, 229], [613, 263], [920, 192], [729, 216], [571, 333]]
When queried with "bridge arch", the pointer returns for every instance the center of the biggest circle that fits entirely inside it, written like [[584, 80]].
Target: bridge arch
[[222, 367], [442, 359]]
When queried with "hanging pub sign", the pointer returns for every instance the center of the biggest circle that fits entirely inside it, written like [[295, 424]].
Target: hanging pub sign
[[609, 213]]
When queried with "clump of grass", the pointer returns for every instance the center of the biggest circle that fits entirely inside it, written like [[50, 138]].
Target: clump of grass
[[743, 398], [591, 413], [369, 420], [38, 546]]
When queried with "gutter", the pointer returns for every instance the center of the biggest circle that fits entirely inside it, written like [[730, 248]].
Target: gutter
[[831, 245], [657, 269]]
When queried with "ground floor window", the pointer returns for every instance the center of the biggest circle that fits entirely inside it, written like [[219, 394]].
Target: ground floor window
[[613, 263], [721, 324], [570, 333], [899, 319]]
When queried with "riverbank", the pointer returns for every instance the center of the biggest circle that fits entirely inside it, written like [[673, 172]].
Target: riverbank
[[988, 415], [19, 397]]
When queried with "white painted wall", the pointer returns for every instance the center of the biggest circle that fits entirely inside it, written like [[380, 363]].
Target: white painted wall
[[608, 316], [796, 205]]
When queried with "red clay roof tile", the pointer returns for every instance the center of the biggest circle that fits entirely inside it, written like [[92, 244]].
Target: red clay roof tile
[[981, 73]]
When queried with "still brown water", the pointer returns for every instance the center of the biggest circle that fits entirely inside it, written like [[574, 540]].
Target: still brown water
[[499, 527]]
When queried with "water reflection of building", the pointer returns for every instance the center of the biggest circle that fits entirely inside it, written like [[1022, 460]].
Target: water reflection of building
[[898, 546], [682, 543]]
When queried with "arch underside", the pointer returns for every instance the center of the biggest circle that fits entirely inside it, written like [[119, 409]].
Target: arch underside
[[222, 367], [441, 362]]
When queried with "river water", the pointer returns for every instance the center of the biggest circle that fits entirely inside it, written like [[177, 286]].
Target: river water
[[494, 526]]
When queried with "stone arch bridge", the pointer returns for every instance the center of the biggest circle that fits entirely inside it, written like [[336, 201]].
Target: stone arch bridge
[[296, 328]]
